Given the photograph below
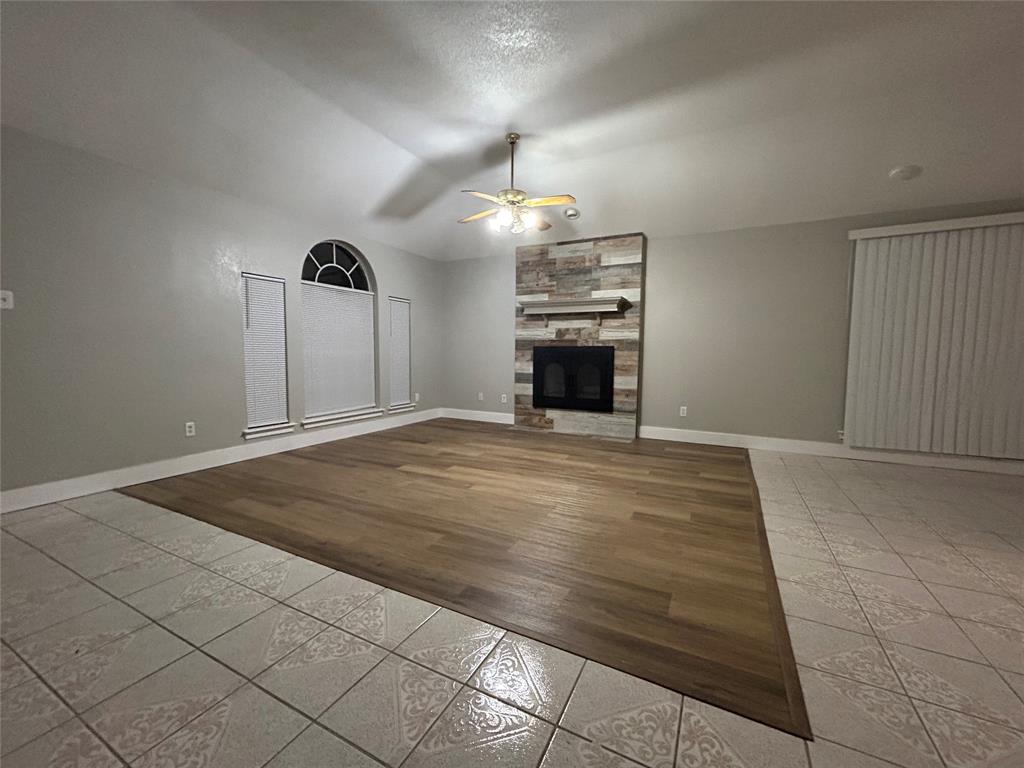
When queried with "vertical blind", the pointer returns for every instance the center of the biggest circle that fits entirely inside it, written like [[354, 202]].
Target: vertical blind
[[266, 368], [401, 384], [337, 329], [936, 360]]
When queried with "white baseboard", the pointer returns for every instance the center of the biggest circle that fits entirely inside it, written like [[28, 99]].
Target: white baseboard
[[834, 450], [495, 417]]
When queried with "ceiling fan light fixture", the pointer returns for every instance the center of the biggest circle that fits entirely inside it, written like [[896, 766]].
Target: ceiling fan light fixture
[[504, 217], [529, 220]]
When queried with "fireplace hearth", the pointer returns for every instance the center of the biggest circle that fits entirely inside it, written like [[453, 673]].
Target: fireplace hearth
[[574, 378]]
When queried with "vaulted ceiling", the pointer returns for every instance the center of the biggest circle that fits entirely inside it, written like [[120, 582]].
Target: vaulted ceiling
[[668, 118]]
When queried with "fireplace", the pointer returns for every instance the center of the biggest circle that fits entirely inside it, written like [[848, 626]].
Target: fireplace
[[574, 378]]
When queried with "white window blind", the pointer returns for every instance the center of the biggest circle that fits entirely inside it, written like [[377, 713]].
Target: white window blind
[[266, 366], [337, 328], [936, 358], [401, 377]]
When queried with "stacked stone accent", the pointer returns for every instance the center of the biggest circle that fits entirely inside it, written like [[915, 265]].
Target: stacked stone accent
[[597, 268]]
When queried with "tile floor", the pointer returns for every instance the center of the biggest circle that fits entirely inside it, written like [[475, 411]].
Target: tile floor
[[132, 635]]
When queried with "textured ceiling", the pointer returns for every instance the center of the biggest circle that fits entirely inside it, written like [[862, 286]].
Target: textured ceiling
[[664, 117]]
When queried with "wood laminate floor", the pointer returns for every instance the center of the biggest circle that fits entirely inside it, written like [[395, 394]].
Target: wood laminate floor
[[647, 556]]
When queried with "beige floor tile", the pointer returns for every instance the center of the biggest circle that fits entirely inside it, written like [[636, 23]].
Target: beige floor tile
[[8, 519], [318, 673], [709, 736], [92, 678], [142, 715], [70, 745], [317, 748], [865, 536], [477, 730], [207, 618], [27, 711], [799, 544], [1003, 647], [137, 576], [567, 750], [823, 605], [13, 671], [956, 572], [452, 644], [249, 561], [388, 711], [200, 548], [11, 547], [921, 629], [974, 689], [914, 546], [76, 637], [872, 720], [158, 523], [813, 573], [1006, 569], [825, 517], [333, 597], [910, 529], [388, 618], [244, 730], [891, 589], [39, 609], [967, 742], [264, 639], [26, 577], [980, 606], [982, 540], [825, 754], [52, 527], [532, 676], [291, 576], [869, 559], [606, 704], [841, 652], [171, 595], [1015, 681]]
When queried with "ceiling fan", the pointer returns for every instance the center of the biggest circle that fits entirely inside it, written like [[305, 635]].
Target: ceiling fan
[[513, 206]]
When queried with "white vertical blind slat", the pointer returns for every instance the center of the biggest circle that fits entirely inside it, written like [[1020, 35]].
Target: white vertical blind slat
[[266, 368]]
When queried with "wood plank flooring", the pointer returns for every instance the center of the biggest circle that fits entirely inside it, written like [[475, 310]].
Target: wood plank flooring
[[644, 555]]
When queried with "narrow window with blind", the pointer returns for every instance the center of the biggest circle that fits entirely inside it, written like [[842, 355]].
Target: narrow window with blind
[[399, 314], [266, 360], [339, 335]]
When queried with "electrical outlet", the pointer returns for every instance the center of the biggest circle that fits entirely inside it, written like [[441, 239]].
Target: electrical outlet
[[682, 410], [190, 429], [6, 300], [841, 434], [504, 398], [416, 397], [480, 396]]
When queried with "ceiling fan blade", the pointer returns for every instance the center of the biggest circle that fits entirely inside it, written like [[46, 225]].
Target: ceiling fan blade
[[478, 216], [481, 195], [542, 224], [538, 202]]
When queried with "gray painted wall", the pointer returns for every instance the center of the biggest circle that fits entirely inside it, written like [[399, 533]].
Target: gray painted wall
[[128, 315]]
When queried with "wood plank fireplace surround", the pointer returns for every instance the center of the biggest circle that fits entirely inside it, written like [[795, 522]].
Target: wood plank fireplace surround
[[581, 293]]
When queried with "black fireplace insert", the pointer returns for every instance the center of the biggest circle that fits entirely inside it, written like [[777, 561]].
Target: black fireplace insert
[[575, 378]]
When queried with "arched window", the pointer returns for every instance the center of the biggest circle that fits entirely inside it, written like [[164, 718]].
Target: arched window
[[339, 334]]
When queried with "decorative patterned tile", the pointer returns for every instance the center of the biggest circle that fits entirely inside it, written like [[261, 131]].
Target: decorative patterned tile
[[891, 589], [627, 715], [532, 676], [832, 519], [244, 730], [869, 719], [11, 547], [921, 629], [567, 750], [13, 671], [973, 689], [864, 536], [92, 564], [479, 730], [825, 754], [388, 618], [956, 572], [71, 745], [823, 605], [451, 643], [92, 678], [980, 607], [841, 652], [316, 748], [264, 640], [388, 711], [26, 577], [291, 576], [200, 548], [33, 610], [1006, 569], [333, 597], [909, 529], [932, 549], [318, 673], [137, 576], [799, 544], [153, 708], [967, 742], [1003, 647], [204, 620], [76, 637], [145, 527], [8, 519], [249, 561], [870, 559], [711, 736], [27, 711], [179, 592], [813, 573]]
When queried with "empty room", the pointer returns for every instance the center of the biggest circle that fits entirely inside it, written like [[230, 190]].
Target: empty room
[[524, 384]]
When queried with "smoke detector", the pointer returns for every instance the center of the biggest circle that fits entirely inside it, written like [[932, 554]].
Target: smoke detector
[[905, 172], [571, 213]]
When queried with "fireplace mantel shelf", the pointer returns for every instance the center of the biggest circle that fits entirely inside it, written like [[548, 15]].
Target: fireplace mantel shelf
[[575, 306]]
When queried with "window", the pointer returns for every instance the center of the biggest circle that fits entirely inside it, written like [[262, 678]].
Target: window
[[339, 307], [401, 350], [266, 363]]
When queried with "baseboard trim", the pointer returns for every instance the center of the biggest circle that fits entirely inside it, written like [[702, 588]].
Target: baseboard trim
[[59, 490], [494, 417], [834, 450]]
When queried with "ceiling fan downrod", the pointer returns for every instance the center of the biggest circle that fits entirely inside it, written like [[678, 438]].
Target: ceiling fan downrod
[[512, 138]]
